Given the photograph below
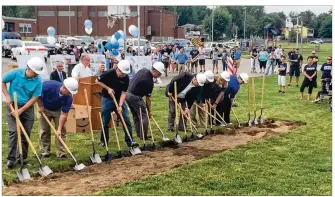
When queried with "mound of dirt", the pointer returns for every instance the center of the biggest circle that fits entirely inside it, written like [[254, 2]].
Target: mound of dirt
[[100, 176]]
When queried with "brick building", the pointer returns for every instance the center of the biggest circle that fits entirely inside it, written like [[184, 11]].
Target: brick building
[[24, 26], [69, 20]]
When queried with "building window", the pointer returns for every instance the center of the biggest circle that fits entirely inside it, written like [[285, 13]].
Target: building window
[[102, 13], [133, 13], [66, 13], [25, 28], [91, 13], [80, 13], [46, 13]]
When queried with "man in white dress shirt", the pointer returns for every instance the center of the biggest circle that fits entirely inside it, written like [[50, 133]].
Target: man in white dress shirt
[[82, 70]]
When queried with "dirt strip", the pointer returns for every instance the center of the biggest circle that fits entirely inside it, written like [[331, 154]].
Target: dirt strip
[[100, 176]]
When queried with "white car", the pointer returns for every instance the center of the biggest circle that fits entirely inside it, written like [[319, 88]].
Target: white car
[[209, 47], [29, 48]]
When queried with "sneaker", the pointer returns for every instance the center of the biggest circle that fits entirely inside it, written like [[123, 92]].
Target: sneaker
[[317, 100], [283, 92], [44, 155], [279, 91], [148, 138], [10, 164], [297, 85], [63, 156], [102, 144], [289, 84]]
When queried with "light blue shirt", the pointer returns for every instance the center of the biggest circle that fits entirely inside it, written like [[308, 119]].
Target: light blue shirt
[[263, 56], [181, 58], [187, 50], [24, 87]]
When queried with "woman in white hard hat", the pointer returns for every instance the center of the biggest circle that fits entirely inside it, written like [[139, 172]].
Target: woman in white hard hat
[[26, 83], [55, 102], [114, 81], [142, 85], [230, 93], [188, 89]]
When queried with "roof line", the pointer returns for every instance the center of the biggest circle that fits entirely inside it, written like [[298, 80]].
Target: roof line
[[22, 19]]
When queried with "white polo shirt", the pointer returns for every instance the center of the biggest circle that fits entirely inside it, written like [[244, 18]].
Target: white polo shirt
[[81, 71]]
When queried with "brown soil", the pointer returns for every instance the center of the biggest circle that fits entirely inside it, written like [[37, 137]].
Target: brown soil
[[96, 177]]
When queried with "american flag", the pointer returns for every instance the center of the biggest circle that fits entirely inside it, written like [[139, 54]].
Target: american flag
[[230, 66]]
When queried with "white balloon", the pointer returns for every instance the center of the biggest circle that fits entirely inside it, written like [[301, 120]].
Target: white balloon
[[133, 30], [112, 39], [51, 40], [121, 42], [88, 31], [2, 24]]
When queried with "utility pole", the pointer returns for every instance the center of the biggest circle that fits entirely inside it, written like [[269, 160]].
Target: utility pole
[[297, 45], [213, 23], [139, 28], [301, 35], [245, 18], [124, 28]]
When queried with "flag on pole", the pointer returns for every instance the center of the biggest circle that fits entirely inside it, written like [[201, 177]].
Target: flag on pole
[[230, 67]]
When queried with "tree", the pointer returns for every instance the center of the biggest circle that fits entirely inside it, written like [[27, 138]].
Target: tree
[[19, 11], [307, 17], [222, 20], [316, 23], [326, 28]]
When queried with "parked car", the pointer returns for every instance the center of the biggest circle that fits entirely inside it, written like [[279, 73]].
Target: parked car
[[11, 35], [86, 39], [133, 43], [209, 47], [29, 48], [51, 47], [231, 43], [7, 46], [318, 41]]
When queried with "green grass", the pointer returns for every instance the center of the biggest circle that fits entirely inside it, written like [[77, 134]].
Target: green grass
[[296, 163], [306, 49]]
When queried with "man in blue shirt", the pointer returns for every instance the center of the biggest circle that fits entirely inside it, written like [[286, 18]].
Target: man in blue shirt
[[230, 93], [237, 58], [187, 50], [26, 83], [181, 59], [55, 102]]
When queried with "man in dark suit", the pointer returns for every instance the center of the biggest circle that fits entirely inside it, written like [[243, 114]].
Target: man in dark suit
[[187, 92], [58, 74]]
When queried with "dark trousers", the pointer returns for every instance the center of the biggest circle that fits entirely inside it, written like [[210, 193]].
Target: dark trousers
[[309, 84], [135, 103], [107, 107], [27, 120], [172, 117], [225, 107]]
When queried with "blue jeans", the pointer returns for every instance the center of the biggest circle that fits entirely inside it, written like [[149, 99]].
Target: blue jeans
[[224, 64], [107, 107]]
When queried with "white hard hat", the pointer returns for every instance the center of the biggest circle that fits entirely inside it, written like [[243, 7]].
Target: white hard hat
[[209, 75], [244, 77], [124, 66], [225, 75], [36, 65], [71, 84], [159, 66], [201, 78]]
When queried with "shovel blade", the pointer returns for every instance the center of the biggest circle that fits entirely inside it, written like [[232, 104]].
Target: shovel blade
[[200, 136], [261, 119], [255, 122], [96, 158], [165, 139], [135, 151], [250, 123], [178, 139], [79, 167], [23, 174], [45, 171]]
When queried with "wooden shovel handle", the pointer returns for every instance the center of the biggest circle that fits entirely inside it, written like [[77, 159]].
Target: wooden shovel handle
[[117, 138], [149, 122], [249, 107], [175, 103], [103, 131], [17, 119], [142, 128], [89, 114], [253, 93], [263, 88]]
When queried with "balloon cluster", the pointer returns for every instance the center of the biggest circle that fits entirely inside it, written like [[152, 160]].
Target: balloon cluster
[[51, 35], [115, 42], [88, 26]]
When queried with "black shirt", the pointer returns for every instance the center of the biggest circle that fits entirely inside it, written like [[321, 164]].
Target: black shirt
[[166, 52], [310, 69], [194, 53], [314, 59], [111, 80], [142, 84], [254, 53], [326, 70], [70, 52], [62, 51], [283, 72], [298, 57]]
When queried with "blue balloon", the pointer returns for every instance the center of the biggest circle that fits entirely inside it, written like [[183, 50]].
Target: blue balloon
[[117, 35], [134, 31], [51, 31], [108, 46], [115, 45], [88, 23], [115, 52], [99, 46]]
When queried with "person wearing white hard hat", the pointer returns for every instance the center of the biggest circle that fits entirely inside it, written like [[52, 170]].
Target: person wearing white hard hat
[[142, 85], [82, 70], [116, 82], [204, 92], [188, 89], [230, 93], [27, 84], [55, 102]]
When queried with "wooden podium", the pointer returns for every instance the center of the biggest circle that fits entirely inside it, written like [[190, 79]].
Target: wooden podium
[[89, 84]]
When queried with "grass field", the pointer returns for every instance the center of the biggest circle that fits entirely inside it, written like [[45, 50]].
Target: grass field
[[296, 163], [305, 49]]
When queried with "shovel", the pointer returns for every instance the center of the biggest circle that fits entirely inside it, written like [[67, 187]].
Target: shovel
[[249, 108], [206, 118], [23, 173], [198, 135], [254, 100], [211, 119], [108, 156], [222, 124], [95, 158], [238, 121], [134, 150], [261, 118], [119, 153], [152, 136], [183, 119], [76, 167], [164, 138], [177, 137], [142, 130]]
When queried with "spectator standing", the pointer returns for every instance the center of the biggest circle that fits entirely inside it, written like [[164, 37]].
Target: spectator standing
[[202, 57], [282, 75], [216, 60], [271, 64], [310, 78], [263, 58], [296, 62], [194, 54], [254, 57]]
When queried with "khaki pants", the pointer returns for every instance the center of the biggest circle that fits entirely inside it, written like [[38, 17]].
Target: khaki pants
[[45, 133], [201, 114], [181, 68]]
